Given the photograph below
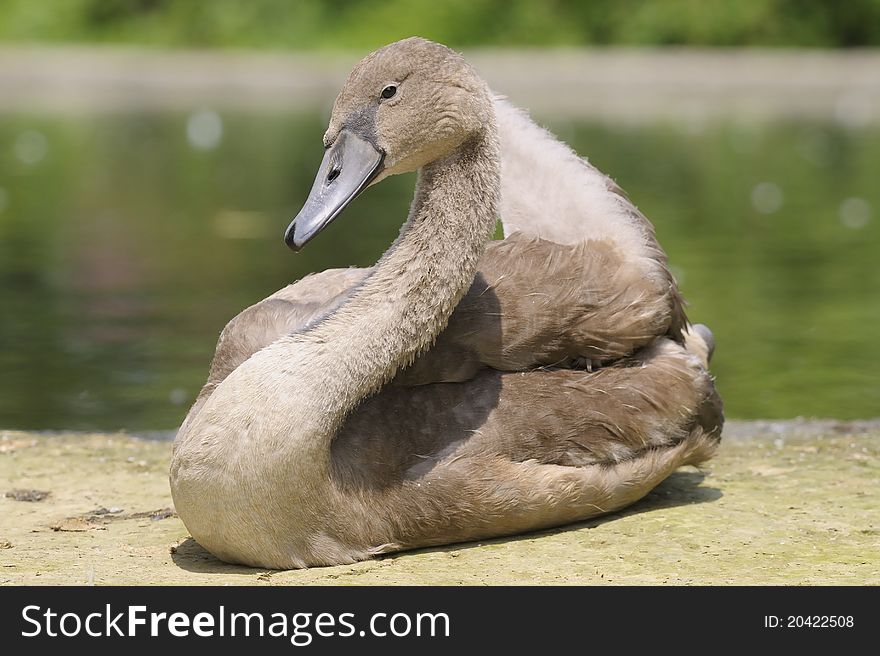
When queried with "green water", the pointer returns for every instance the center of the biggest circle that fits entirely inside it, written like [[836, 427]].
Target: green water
[[127, 242]]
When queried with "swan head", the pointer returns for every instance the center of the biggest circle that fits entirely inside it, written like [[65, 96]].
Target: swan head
[[403, 106]]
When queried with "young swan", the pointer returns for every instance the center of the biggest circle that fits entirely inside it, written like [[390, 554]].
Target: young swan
[[296, 458]]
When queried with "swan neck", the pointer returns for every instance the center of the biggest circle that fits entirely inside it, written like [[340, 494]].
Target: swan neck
[[400, 309]]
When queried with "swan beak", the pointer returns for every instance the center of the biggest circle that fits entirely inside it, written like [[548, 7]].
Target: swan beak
[[349, 165]]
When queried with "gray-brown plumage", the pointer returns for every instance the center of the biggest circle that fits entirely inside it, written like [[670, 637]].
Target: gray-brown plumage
[[299, 453], [533, 303]]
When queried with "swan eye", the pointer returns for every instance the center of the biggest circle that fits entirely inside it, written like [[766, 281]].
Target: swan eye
[[389, 91]]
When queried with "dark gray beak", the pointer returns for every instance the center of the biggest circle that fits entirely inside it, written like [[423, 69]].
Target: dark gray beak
[[349, 165]]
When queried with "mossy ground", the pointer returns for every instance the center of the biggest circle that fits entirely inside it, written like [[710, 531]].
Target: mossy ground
[[782, 503]]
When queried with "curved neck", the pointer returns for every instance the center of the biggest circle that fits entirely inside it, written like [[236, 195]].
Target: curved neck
[[399, 310], [407, 301]]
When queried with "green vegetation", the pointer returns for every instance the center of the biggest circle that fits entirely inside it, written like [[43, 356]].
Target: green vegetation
[[364, 24]]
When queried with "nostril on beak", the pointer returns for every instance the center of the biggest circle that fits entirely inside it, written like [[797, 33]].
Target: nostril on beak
[[334, 173]]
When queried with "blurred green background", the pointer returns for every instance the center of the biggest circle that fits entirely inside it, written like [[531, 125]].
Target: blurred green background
[[129, 237], [356, 24]]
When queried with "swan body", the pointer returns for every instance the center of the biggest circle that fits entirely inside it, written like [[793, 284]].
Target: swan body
[[328, 431]]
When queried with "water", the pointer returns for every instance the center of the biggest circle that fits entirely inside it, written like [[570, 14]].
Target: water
[[127, 242]]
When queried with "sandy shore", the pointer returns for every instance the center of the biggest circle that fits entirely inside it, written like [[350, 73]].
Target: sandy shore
[[783, 503]]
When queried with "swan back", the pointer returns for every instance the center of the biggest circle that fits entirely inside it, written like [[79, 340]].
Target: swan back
[[549, 191]]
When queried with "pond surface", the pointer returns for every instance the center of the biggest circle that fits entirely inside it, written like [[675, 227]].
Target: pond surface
[[127, 242]]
